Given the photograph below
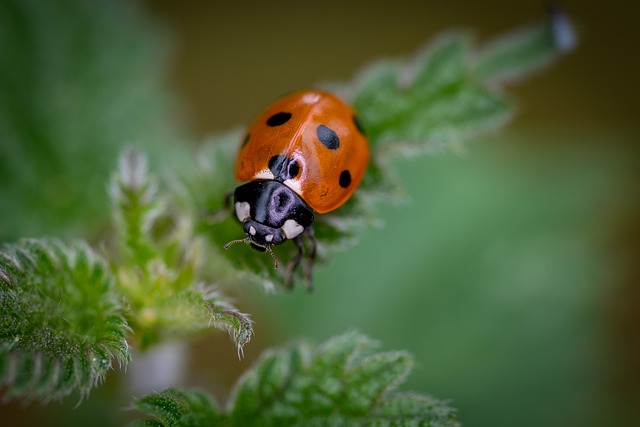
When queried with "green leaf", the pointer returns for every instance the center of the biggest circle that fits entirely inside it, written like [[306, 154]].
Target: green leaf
[[74, 91], [389, 369], [526, 50], [414, 409], [161, 260], [449, 93], [338, 383], [61, 324], [177, 408], [430, 103], [137, 206]]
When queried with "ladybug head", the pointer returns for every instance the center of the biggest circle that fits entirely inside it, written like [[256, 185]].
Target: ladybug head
[[271, 213], [261, 236]]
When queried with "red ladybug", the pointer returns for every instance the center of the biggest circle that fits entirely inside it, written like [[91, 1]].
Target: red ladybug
[[305, 153]]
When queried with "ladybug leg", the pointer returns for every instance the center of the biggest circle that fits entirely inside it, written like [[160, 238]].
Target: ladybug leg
[[213, 217], [311, 258], [294, 263]]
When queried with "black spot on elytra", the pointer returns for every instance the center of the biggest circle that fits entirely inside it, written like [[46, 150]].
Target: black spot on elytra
[[356, 121], [345, 178], [328, 137], [278, 119], [283, 167]]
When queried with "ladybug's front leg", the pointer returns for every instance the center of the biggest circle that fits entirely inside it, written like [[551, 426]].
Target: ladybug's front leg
[[295, 262], [311, 258]]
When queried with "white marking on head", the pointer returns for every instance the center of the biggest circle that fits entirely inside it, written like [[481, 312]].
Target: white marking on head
[[292, 229], [252, 230], [264, 174], [268, 238], [295, 185], [243, 211]]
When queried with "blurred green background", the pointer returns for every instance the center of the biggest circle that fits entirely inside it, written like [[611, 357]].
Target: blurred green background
[[512, 273]]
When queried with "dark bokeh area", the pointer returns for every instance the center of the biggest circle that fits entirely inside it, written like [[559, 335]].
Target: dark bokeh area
[[233, 58], [511, 274]]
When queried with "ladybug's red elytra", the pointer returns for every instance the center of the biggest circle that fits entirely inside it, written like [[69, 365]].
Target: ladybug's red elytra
[[304, 154]]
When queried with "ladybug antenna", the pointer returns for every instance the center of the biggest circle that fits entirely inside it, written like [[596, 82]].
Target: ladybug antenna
[[248, 240], [245, 240], [273, 255]]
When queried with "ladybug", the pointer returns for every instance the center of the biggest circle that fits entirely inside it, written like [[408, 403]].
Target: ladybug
[[303, 155]]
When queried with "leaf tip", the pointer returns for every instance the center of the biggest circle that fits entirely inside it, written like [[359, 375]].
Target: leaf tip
[[562, 29]]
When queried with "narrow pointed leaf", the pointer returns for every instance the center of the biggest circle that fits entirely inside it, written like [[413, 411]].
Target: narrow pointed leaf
[[526, 50]]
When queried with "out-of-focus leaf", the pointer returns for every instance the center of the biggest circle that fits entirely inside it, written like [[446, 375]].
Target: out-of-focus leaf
[[448, 94], [337, 383], [73, 92]]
